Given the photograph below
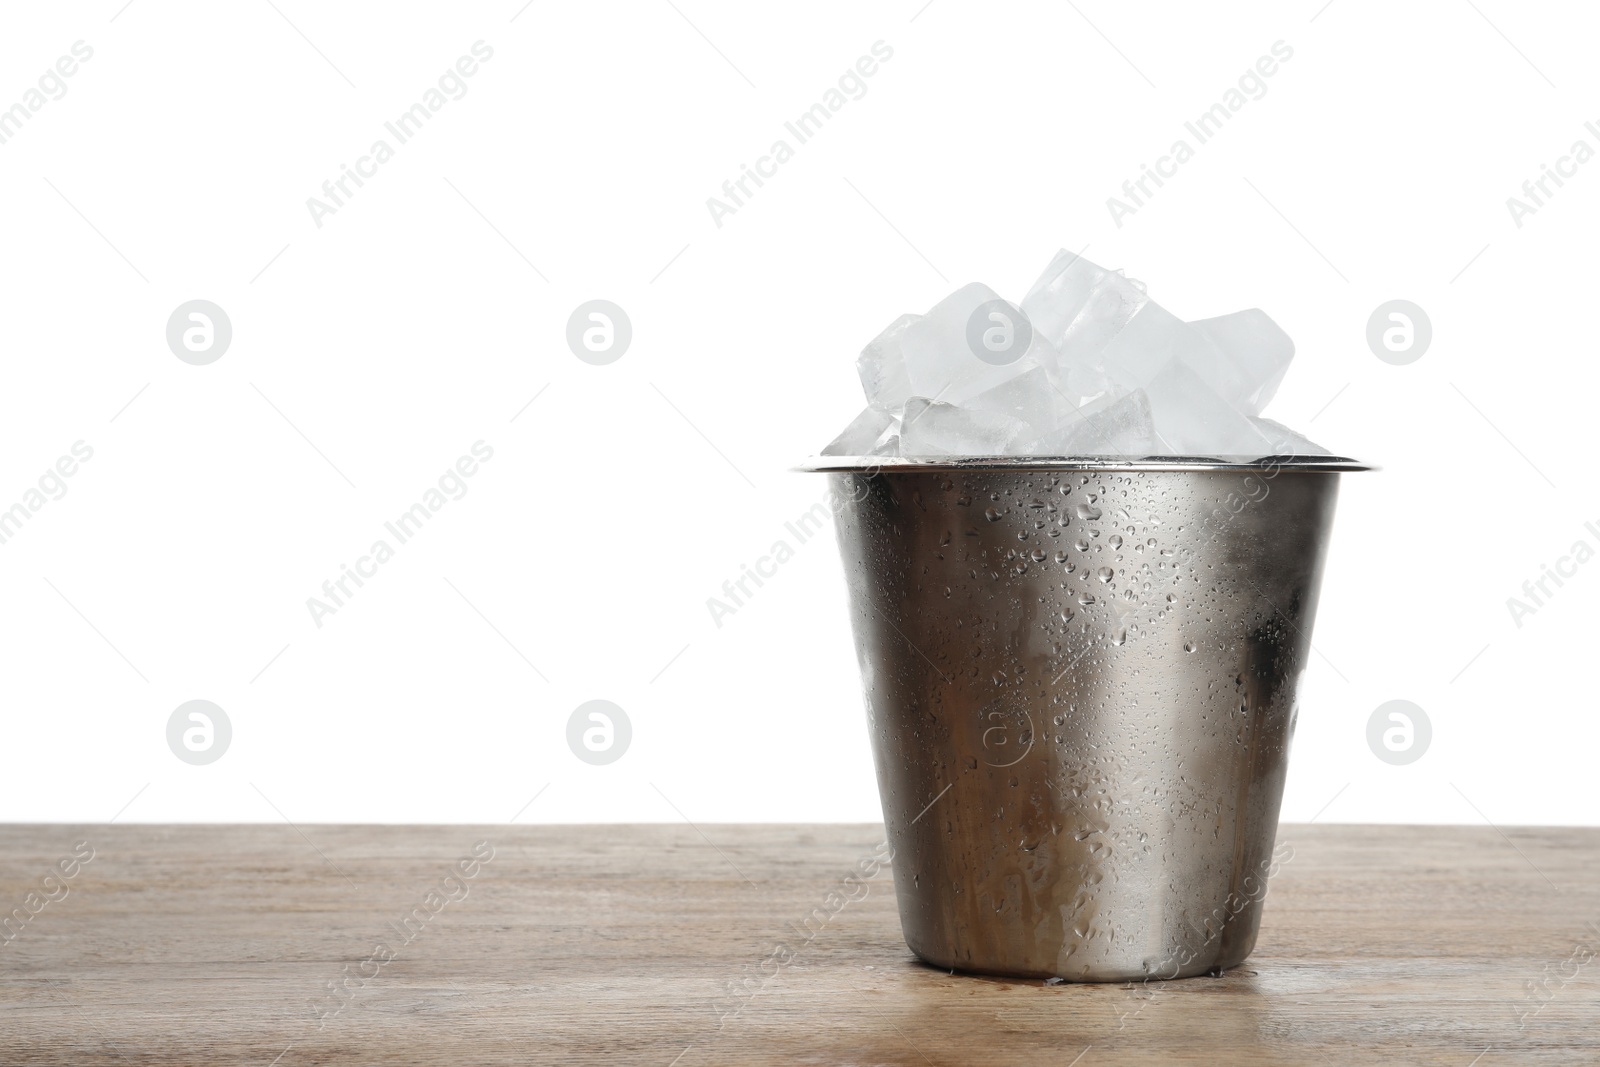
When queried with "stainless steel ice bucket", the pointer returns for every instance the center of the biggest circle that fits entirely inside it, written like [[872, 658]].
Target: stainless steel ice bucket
[[1080, 679]]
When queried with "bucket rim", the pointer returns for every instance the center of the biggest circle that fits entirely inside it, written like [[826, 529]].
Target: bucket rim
[[934, 464]]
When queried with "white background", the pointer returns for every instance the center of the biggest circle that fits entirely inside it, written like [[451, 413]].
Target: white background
[[415, 322]]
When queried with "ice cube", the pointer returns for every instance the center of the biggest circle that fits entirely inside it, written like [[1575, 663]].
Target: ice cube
[[882, 367], [941, 363], [1259, 351], [1081, 345], [1082, 380], [1193, 420], [1110, 426], [1240, 357], [863, 434], [1031, 397], [1099, 320], [1078, 307], [930, 428], [1285, 442], [1114, 301], [1151, 339], [1060, 293]]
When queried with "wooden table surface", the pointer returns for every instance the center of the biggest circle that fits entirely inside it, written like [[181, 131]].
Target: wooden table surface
[[654, 945]]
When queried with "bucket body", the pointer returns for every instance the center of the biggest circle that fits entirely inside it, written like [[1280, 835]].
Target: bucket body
[[1080, 682]]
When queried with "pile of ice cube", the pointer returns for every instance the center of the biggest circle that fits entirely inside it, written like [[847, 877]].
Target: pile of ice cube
[[1088, 366]]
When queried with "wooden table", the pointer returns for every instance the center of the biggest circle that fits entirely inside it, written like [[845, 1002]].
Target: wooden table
[[654, 945]]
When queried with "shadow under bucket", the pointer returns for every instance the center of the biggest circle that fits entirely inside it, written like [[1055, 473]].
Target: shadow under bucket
[[1080, 678]]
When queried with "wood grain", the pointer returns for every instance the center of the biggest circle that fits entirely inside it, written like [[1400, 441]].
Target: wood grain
[[619, 944]]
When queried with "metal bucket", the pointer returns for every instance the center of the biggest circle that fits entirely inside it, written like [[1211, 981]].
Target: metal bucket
[[1080, 679]]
